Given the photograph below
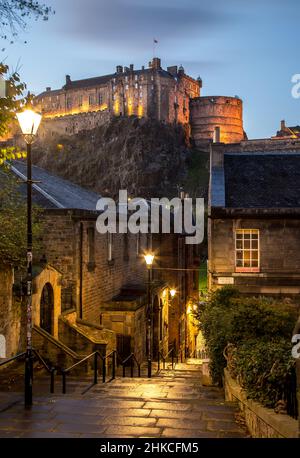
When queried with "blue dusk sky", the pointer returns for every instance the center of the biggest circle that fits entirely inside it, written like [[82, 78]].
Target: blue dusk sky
[[238, 47]]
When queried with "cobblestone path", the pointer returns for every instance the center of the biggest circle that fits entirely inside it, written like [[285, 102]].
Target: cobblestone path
[[173, 404]]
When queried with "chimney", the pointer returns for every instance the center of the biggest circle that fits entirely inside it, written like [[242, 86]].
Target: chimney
[[143, 67], [156, 63], [119, 69], [150, 64], [68, 79], [126, 69], [216, 138], [131, 67], [48, 89], [173, 70], [282, 125]]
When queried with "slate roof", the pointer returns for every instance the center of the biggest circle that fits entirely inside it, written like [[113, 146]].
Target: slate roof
[[98, 80], [55, 192], [262, 180]]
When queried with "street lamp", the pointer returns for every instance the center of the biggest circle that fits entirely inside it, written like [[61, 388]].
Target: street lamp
[[149, 258], [29, 122], [173, 292]]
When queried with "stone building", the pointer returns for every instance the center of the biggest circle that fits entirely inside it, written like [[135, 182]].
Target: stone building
[[254, 217], [148, 92], [90, 288], [287, 131]]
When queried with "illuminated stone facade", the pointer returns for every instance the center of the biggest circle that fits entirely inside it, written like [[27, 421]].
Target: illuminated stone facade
[[149, 92]]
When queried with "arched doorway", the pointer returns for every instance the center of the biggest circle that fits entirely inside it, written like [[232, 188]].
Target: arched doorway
[[47, 308], [156, 326]]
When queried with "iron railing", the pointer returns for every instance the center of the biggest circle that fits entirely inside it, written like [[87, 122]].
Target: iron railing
[[290, 394], [164, 358], [131, 359], [95, 355], [50, 370]]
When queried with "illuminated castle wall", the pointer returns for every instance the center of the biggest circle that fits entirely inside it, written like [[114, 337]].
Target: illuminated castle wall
[[149, 92]]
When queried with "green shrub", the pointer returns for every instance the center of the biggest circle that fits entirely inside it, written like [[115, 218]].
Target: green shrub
[[228, 317], [261, 368]]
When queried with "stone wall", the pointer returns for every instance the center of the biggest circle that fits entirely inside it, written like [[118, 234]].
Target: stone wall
[[10, 315], [261, 422], [207, 113], [279, 261]]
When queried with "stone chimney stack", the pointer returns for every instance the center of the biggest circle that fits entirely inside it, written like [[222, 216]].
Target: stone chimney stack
[[131, 66], [119, 69], [156, 63], [282, 125], [68, 79], [48, 89]]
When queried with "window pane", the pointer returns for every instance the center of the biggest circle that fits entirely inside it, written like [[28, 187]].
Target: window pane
[[254, 245], [247, 244], [247, 255], [255, 255], [254, 236], [239, 263], [246, 235], [239, 244], [254, 264]]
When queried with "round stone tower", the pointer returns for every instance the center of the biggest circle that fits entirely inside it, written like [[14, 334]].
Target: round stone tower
[[216, 118]]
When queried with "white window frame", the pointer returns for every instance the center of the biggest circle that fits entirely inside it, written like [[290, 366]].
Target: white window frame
[[244, 268]]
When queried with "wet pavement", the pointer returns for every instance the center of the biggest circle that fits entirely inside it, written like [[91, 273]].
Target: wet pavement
[[173, 404]]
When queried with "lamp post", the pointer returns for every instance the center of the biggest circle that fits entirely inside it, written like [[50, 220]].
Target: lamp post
[[29, 122], [149, 258]]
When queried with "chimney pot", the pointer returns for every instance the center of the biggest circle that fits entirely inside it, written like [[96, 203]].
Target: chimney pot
[[68, 79], [48, 89]]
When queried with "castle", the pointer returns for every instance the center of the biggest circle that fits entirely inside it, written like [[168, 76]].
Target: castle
[[168, 95]]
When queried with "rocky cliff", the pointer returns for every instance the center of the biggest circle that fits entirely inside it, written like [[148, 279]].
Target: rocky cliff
[[146, 157]]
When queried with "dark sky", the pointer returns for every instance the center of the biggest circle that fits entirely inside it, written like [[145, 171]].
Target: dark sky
[[249, 49]]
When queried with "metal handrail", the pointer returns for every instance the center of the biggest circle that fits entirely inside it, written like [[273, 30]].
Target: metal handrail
[[132, 359], [51, 369], [12, 359], [94, 355], [165, 357]]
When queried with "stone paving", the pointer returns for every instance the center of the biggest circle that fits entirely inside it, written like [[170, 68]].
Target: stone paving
[[173, 404]]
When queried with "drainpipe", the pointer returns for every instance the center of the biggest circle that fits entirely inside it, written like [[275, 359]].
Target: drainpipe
[[80, 271]]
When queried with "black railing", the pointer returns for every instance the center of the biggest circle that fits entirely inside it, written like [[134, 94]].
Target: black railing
[[130, 360], [290, 394], [95, 356], [50, 370], [164, 358]]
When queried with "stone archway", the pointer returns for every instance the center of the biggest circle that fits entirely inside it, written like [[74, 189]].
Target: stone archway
[[47, 308]]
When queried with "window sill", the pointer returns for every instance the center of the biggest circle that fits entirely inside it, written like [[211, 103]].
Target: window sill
[[247, 269]]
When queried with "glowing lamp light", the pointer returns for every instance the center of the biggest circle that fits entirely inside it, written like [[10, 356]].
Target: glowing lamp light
[[172, 292], [149, 258], [29, 122]]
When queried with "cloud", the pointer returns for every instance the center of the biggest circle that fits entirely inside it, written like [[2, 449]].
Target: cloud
[[133, 23]]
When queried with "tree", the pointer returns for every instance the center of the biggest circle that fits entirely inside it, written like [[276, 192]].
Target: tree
[[13, 221], [14, 15]]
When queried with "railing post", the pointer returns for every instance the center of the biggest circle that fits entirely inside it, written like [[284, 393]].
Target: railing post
[[64, 382], [139, 370], [123, 370], [95, 368], [131, 367], [52, 373], [158, 362], [103, 370]]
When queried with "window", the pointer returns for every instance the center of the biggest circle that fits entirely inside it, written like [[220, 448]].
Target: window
[[100, 99], [109, 247], [126, 87], [80, 101], [136, 77], [247, 250], [136, 85], [91, 100], [69, 103]]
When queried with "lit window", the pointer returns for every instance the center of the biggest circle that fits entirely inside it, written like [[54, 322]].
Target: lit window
[[247, 250], [69, 103], [80, 101], [100, 99], [126, 87], [91, 100], [136, 77], [136, 85]]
